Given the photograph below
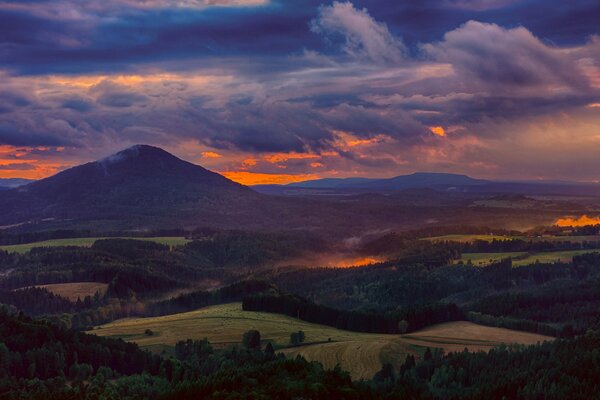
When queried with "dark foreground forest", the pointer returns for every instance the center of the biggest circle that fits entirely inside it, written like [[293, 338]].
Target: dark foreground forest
[[42, 361]]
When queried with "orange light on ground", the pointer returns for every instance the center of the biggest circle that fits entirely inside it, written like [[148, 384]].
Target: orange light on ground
[[581, 221], [354, 262]]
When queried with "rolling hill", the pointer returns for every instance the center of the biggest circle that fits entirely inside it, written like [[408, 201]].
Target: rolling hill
[[360, 353]]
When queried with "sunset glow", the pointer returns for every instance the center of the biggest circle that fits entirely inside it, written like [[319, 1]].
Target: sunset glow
[[211, 154], [438, 131], [30, 162], [252, 178], [575, 222]]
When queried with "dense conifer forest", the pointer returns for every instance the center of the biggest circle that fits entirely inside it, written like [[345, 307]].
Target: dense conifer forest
[[50, 356]]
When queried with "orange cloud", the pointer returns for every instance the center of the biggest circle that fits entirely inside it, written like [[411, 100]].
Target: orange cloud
[[438, 130], [14, 163], [249, 162], [283, 157], [581, 221], [255, 178], [316, 165], [211, 154], [346, 140]]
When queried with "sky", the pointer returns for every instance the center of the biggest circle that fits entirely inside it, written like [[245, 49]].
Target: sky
[[274, 91]]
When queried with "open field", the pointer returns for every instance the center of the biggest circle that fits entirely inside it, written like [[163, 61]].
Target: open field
[[488, 258], [75, 290], [359, 353], [455, 336], [572, 239], [520, 259], [87, 242], [466, 238]]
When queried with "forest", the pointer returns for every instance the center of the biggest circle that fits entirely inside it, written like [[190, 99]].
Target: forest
[[54, 355], [42, 361]]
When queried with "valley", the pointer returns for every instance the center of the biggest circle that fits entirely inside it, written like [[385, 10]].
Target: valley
[[208, 282], [299, 200]]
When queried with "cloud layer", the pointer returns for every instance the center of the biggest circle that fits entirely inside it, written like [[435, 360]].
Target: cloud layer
[[283, 91]]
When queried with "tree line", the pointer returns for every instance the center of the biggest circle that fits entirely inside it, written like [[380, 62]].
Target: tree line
[[406, 319]]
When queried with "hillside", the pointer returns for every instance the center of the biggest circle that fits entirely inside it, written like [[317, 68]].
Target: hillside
[[359, 353], [137, 187]]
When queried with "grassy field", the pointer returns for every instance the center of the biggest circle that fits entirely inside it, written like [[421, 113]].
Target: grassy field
[[573, 239], [488, 258], [520, 259], [466, 238], [76, 290], [87, 242], [455, 336], [360, 353]]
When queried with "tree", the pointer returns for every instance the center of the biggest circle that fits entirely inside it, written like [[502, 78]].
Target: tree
[[297, 338], [269, 350], [386, 374], [402, 326], [251, 339], [427, 356], [409, 363]]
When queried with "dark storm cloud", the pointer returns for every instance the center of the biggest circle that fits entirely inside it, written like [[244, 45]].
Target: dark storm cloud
[[77, 104], [17, 136], [116, 36], [11, 100]]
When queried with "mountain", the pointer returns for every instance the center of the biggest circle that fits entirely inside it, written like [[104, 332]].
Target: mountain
[[13, 183], [333, 183], [138, 187], [412, 181], [426, 180]]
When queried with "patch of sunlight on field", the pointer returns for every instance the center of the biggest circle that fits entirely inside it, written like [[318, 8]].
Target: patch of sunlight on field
[[362, 354], [455, 336], [481, 259], [469, 238], [523, 258], [551, 257], [75, 290], [87, 242]]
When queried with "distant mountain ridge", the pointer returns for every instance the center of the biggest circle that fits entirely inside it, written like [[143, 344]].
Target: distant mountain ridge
[[412, 181], [429, 180], [9, 183]]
